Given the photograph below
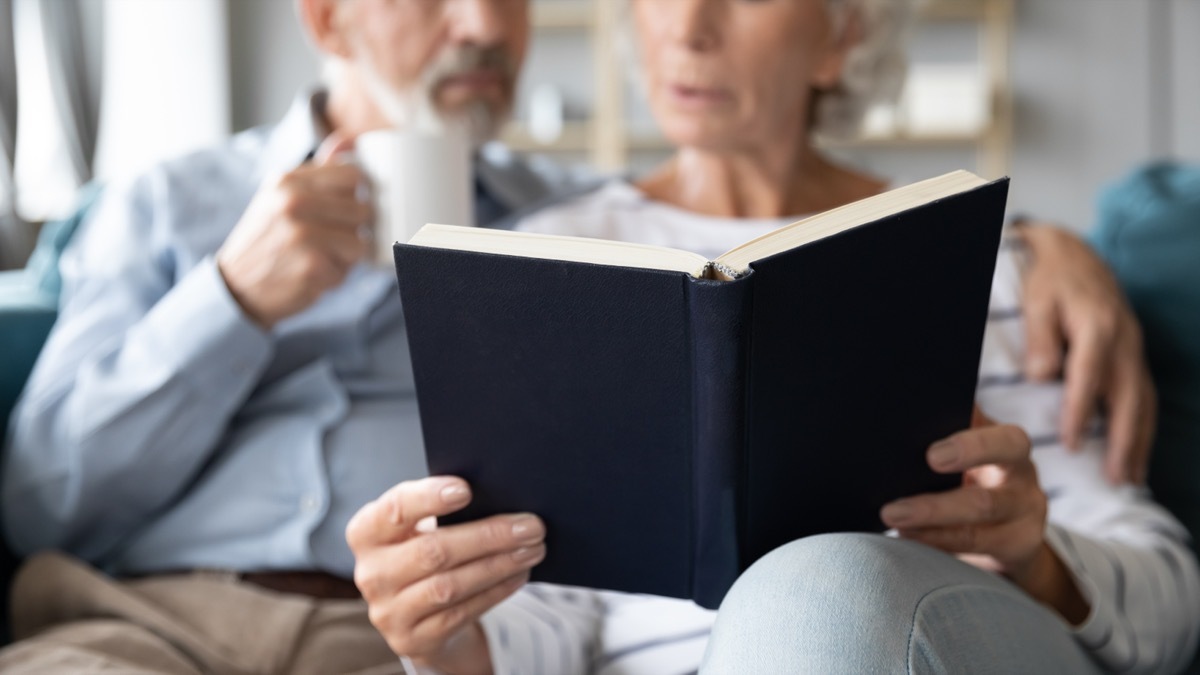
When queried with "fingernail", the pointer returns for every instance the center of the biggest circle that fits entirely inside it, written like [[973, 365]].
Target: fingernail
[[455, 493], [528, 554], [527, 529], [897, 513], [943, 455]]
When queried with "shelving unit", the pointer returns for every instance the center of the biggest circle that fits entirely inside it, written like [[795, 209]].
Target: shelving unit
[[604, 138]]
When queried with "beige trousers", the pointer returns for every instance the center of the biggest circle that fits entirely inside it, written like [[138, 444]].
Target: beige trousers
[[70, 618]]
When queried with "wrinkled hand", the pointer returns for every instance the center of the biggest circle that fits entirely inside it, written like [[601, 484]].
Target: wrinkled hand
[[997, 518], [427, 586], [299, 237], [999, 511], [1072, 299]]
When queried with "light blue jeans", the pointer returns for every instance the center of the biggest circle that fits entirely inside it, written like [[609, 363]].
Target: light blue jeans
[[860, 603]]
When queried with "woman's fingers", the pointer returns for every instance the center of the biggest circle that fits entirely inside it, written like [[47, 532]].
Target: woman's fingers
[[1011, 544], [389, 570], [394, 516], [996, 444], [968, 505]]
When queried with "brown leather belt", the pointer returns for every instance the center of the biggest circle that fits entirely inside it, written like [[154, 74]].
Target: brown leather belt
[[320, 585], [312, 584]]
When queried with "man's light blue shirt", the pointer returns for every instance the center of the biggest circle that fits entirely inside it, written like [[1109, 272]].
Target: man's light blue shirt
[[163, 430]]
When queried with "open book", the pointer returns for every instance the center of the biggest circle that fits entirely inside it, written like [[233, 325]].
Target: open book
[[673, 418], [729, 265]]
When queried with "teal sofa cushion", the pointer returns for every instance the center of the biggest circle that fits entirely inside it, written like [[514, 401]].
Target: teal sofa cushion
[[29, 302], [26, 316], [28, 308], [1149, 232]]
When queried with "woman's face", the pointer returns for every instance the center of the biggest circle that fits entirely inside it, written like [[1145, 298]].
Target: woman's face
[[724, 74]]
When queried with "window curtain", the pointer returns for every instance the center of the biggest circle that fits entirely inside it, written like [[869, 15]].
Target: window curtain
[[14, 235], [75, 93]]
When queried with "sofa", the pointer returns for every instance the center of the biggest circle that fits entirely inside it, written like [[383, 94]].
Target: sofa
[[1148, 231], [28, 307]]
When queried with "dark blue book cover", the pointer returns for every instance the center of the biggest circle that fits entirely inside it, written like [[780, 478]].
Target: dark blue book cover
[[670, 430]]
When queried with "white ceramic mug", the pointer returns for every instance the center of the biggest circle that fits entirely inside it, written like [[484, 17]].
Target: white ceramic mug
[[416, 178]]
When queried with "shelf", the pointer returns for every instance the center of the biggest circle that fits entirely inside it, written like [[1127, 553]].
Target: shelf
[[563, 14], [580, 14], [576, 137], [901, 139], [954, 9]]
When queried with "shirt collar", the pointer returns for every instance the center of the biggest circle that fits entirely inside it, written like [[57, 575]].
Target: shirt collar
[[297, 135]]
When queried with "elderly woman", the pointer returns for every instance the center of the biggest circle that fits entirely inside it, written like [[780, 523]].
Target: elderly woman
[[1036, 563]]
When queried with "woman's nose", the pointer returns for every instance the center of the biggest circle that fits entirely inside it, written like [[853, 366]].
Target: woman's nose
[[696, 24]]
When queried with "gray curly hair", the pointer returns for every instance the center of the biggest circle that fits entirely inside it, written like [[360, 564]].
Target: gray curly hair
[[874, 71]]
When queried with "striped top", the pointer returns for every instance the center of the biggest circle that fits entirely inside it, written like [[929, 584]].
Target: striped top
[[1129, 557]]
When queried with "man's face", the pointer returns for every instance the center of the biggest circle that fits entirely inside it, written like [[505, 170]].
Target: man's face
[[448, 58]]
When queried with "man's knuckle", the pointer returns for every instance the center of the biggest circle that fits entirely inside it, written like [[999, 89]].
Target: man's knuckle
[[292, 204], [313, 265], [295, 236], [286, 183], [366, 578], [382, 618]]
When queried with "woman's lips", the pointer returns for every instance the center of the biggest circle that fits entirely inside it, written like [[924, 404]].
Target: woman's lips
[[699, 98]]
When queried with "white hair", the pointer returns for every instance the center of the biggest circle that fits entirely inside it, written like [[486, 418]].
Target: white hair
[[873, 73], [875, 68]]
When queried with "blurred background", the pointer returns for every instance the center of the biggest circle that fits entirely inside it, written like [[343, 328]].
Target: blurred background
[[1063, 95]]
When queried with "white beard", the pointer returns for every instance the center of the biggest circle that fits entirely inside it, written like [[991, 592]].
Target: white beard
[[414, 108]]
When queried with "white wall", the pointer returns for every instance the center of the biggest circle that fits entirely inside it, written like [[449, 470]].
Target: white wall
[[270, 60], [1185, 25], [1101, 85]]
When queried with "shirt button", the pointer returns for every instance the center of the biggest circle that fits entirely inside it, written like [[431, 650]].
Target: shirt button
[[309, 504]]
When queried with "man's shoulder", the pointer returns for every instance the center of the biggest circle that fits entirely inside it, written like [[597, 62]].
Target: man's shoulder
[[522, 180], [186, 203], [528, 184], [234, 159], [220, 175]]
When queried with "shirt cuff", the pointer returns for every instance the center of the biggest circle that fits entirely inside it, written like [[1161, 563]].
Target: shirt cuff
[[1093, 575]]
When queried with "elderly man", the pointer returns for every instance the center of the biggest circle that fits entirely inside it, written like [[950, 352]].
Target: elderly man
[[228, 382]]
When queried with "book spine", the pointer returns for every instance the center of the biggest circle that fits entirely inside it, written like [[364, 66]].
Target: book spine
[[719, 313]]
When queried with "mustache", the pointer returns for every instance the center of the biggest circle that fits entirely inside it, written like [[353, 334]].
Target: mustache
[[469, 58]]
